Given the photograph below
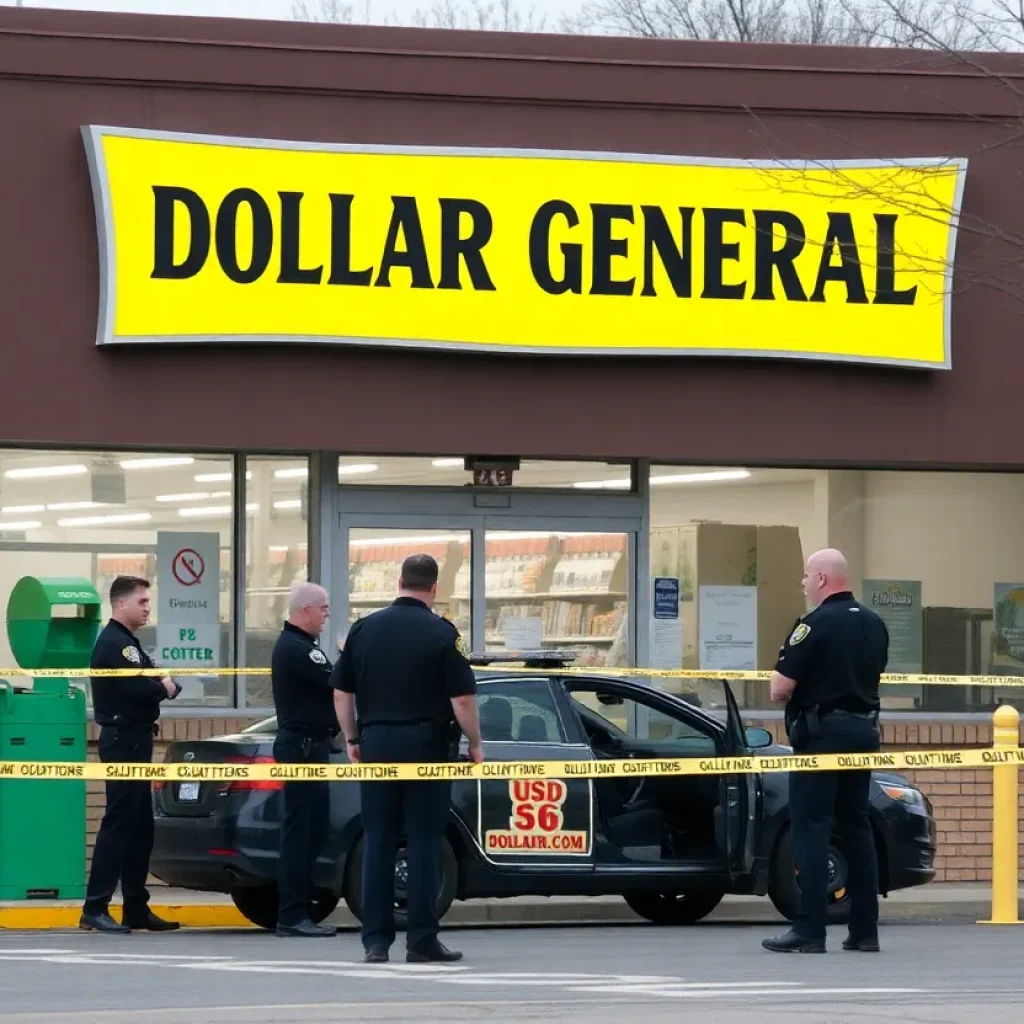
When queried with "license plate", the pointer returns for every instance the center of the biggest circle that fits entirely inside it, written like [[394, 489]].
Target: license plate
[[188, 791]]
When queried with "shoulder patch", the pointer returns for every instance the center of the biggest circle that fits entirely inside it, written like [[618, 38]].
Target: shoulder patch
[[318, 656], [132, 654], [798, 634], [461, 646]]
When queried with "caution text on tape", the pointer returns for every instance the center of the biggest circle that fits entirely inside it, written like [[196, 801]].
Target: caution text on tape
[[181, 771], [733, 675]]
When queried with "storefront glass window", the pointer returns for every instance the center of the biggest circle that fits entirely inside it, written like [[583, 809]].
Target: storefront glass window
[[97, 515], [450, 471], [276, 557], [938, 554]]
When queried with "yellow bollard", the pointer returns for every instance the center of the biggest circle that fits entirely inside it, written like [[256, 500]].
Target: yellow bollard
[[1005, 883]]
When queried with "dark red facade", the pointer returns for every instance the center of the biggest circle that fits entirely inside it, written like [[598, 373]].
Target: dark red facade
[[59, 71]]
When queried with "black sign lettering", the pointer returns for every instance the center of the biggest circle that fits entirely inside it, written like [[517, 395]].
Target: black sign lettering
[[886, 292], [470, 250], [291, 272], [341, 244], [717, 251], [540, 250], [405, 219], [768, 260], [226, 235], [166, 199], [606, 247], [848, 272], [675, 257]]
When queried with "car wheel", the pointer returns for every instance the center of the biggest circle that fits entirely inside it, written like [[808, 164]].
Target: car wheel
[[446, 894], [259, 904], [784, 889], [673, 908]]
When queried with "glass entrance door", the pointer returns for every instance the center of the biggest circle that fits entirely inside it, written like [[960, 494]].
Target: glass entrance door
[[540, 572]]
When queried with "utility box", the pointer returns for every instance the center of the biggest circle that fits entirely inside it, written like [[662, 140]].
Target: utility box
[[51, 624]]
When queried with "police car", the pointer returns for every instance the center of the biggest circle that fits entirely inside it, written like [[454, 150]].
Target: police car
[[671, 846]]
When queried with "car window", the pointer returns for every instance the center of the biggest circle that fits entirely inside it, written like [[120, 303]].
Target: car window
[[268, 725], [608, 717], [520, 710]]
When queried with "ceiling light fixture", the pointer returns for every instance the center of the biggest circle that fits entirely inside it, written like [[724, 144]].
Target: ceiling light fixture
[[74, 506], [448, 463], [213, 511], [619, 484], [290, 503], [14, 510], [42, 472], [218, 478], [126, 517], [18, 527], [714, 476], [357, 468], [294, 473], [193, 496], [159, 462]]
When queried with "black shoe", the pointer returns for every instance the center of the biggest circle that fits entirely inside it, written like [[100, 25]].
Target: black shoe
[[102, 923], [150, 923], [376, 955], [791, 942], [306, 930], [432, 953], [868, 944]]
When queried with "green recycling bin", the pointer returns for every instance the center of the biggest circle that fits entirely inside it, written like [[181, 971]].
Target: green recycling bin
[[51, 624]]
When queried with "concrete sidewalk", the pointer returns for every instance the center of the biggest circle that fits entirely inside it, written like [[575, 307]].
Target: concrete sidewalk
[[937, 902]]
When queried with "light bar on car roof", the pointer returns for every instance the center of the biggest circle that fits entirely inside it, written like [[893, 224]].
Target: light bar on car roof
[[547, 658]]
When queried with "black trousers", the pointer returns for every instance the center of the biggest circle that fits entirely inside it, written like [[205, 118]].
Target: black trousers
[[816, 800], [124, 842], [417, 810], [305, 828]]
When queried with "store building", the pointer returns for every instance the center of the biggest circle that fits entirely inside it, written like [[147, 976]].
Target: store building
[[821, 402]]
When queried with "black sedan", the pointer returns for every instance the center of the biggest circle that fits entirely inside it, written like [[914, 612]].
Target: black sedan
[[672, 846]]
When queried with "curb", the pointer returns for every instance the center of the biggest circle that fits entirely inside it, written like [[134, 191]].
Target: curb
[[496, 913]]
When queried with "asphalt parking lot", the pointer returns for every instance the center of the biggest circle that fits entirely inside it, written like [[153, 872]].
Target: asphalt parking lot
[[926, 972]]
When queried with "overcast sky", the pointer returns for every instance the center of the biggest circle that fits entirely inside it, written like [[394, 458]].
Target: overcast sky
[[379, 10]]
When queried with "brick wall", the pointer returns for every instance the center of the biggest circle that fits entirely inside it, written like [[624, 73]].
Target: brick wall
[[962, 800]]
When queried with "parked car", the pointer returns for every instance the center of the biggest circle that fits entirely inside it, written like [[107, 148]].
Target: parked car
[[672, 846]]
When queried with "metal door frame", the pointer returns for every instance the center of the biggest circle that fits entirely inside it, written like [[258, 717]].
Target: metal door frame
[[475, 511]]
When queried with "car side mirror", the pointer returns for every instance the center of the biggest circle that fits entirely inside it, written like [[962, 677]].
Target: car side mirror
[[758, 737]]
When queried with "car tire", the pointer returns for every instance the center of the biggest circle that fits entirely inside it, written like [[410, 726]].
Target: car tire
[[354, 881], [784, 890], [673, 908], [258, 904]]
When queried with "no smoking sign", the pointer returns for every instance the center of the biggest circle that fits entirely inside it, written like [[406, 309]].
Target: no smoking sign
[[188, 567]]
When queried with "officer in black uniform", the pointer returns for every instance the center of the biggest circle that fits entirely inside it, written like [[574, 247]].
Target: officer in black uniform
[[827, 675], [404, 681], [306, 724], [126, 709]]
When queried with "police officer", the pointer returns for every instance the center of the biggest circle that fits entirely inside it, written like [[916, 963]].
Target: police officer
[[405, 681], [300, 676], [126, 709], [827, 675]]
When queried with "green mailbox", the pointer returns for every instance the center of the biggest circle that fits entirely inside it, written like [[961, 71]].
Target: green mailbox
[[51, 624]]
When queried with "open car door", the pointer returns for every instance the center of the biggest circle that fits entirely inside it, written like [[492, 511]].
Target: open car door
[[741, 797]]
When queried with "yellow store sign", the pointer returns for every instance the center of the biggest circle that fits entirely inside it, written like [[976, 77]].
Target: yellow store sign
[[215, 239]]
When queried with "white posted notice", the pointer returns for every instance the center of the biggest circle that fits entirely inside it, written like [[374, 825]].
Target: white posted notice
[[188, 600], [728, 628]]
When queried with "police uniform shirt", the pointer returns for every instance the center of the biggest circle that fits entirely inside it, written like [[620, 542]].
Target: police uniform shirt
[[835, 654], [124, 700], [404, 664], [300, 677]]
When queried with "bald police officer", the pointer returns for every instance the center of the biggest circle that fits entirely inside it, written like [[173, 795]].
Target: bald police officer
[[126, 709], [403, 681], [300, 674], [827, 675]]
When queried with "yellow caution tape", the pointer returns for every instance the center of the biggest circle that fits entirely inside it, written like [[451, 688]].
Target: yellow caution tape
[[736, 675], [503, 770]]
